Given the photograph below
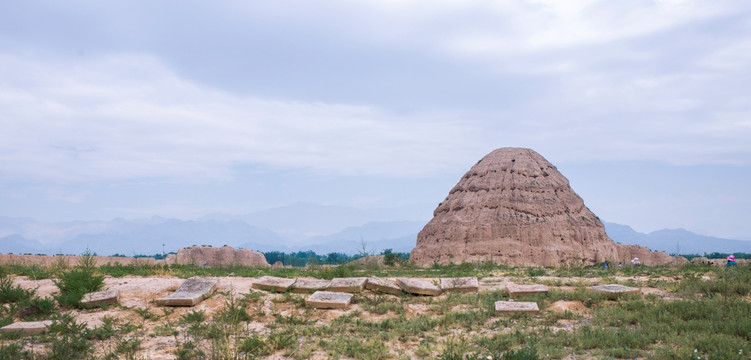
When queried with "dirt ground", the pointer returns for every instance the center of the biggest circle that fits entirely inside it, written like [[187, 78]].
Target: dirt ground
[[137, 293]]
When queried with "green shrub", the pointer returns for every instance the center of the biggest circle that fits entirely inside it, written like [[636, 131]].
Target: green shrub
[[528, 352], [68, 337], [37, 308], [10, 293], [74, 284], [126, 349], [14, 351], [254, 346]]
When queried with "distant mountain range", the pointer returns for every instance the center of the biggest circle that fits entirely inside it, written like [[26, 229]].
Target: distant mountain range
[[676, 240], [297, 227]]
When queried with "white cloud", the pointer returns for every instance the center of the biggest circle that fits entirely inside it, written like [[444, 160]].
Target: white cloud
[[130, 117]]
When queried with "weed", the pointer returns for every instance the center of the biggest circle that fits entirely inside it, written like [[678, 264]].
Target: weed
[[14, 351], [145, 313], [69, 340], [189, 351], [128, 348], [254, 346], [528, 352]]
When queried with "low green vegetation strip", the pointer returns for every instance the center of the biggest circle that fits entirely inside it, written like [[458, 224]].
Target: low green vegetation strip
[[698, 313]]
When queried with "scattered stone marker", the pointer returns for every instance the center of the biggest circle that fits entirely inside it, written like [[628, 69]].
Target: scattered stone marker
[[329, 300], [308, 286], [516, 306], [190, 293], [27, 328], [273, 283], [462, 284], [615, 289], [348, 285], [387, 286], [419, 287], [107, 297], [515, 290]]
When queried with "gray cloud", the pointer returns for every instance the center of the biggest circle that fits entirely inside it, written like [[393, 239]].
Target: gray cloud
[[177, 92]]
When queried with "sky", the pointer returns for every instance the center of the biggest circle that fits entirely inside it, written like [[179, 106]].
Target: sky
[[184, 108]]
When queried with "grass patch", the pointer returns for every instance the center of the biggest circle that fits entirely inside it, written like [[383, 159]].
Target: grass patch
[[709, 316]]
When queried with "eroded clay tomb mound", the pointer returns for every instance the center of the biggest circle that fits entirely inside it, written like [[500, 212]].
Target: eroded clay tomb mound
[[513, 207]]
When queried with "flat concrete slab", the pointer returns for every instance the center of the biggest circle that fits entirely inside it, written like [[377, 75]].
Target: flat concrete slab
[[308, 286], [329, 300], [516, 306], [348, 285], [190, 293], [418, 287], [515, 290], [615, 289], [462, 284], [273, 283], [27, 328], [107, 297], [387, 286]]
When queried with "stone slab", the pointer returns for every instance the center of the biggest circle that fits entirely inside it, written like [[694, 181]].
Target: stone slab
[[308, 286], [387, 286], [615, 289], [329, 300], [348, 285], [462, 284], [273, 283], [515, 290], [27, 328], [107, 297], [190, 293], [418, 287], [516, 306]]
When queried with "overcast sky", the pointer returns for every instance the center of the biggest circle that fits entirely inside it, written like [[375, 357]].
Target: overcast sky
[[183, 108]]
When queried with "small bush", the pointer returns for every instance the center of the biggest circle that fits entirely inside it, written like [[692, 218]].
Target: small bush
[[37, 308], [68, 338], [10, 293], [14, 351], [254, 346], [528, 352], [74, 284]]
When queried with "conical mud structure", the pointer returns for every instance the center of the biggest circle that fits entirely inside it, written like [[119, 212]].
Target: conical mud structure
[[513, 207]]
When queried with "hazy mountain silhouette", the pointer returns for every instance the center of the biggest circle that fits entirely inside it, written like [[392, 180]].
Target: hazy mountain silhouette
[[334, 229], [300, 221], [18, 244], [675, 240], [400, 236]]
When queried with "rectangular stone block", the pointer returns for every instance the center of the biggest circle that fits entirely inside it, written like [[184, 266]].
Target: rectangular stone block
[[515, 290], [516, 306], [329, 300], [387, 286], [27, 328], [273, 283], [107, 297], [418, 287], [190, 293], [348, 285], [308, 286], [614, 289], [462, 284]]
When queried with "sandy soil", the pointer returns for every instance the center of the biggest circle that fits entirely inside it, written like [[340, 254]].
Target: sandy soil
[[139, 292]]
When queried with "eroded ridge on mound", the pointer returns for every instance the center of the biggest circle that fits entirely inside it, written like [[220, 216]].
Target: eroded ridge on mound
[[513, 207]]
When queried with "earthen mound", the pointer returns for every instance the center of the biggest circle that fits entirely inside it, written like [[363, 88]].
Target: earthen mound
[[207, 256], [646, 256], [513, 207]]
